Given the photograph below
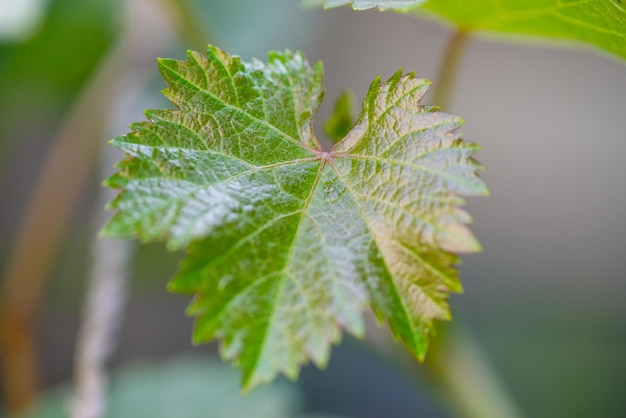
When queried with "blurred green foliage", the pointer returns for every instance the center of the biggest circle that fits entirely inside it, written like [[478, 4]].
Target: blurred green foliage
[[42, 74], [601, 23], [189, 387]]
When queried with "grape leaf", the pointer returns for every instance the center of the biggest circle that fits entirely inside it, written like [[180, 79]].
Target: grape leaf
[[288, 243], [366, 4], [598, 22]]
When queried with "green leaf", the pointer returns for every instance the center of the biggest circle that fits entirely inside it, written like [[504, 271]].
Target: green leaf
[[287, 243], [365, 4], [598, 22], [340, 122]]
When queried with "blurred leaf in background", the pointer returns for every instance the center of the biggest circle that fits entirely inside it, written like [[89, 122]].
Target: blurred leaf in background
[[19, 18], [43, 72], [598, 22], [341, 120], [189, 387]]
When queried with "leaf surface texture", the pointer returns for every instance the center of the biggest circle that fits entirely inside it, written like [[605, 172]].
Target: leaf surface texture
[[286, 243]]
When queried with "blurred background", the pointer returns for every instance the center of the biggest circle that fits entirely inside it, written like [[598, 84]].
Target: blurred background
[[545, 302]]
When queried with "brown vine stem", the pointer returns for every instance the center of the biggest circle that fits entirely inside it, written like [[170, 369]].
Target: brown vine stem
[[449, 68], [63, 175], [102, 313], [455, 363], [146, 29], [468, 385]]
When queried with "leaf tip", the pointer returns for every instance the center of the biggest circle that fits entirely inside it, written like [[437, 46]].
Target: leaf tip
[[109, 183], [397, 75], [161, 62], [484, 191], [468, 244], [102, 234], [251, 379], [318, 67], [111, 230], [118, 142], [151, 114]]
